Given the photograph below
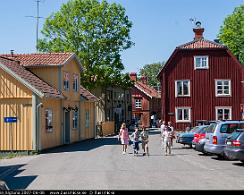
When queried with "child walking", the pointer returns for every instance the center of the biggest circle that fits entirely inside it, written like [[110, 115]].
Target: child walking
[[135, 138], [144, 140], [124, 137]]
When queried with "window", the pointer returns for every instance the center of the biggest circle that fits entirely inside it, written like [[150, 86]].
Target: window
[[183, 115], [201, 62], [75, 119], [223, 87], [138, 103], [49, 120], [228, 128], [182, 88], [66, 81], [75, 82], [87, 121], [223, 113]]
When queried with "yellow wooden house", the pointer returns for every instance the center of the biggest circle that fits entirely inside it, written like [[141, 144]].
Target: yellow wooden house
[[41, 104]]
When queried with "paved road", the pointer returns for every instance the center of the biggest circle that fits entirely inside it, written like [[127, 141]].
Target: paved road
[[99, 164]]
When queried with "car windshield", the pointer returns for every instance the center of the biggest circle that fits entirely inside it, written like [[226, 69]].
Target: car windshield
[[195, 129], [235, 135], [211, 127], [203, 130]]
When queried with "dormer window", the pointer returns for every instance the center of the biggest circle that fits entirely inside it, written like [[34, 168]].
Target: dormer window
[[66, 81], [200, 62]]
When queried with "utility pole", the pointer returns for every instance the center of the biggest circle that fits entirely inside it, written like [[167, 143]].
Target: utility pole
[[37, 17]]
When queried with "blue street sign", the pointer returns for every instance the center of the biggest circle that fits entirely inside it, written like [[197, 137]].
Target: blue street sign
[[10, 119]]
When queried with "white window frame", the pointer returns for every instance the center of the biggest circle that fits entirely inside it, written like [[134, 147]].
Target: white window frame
[[216, 88], [176, 88], [66, 81], [75, 118], [49, 120], [201, 60], [76, 82], [177, 117], [223, 107], [138, 103], [87, 119]]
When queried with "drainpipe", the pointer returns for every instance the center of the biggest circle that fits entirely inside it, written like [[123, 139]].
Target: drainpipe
[[38, 123]]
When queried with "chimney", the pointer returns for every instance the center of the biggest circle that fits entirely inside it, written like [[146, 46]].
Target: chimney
[[133, 76], [198, 30], [12, 52], [144, 80]]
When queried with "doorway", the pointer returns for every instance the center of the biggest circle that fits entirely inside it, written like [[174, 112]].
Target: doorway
[[67, 127]]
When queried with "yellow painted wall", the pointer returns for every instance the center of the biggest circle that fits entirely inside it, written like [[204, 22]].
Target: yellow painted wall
[[87, 133], [15, 101], [16, 136], [53, 138], [47, 74], [11, 88], [72, 68]]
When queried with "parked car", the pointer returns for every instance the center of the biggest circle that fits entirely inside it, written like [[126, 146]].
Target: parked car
[[199, 136], [234, 149], [3, 185], [187, 137], [215, 143], [201, 140]]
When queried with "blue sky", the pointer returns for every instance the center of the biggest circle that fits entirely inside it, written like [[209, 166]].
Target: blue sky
[[158, 25]]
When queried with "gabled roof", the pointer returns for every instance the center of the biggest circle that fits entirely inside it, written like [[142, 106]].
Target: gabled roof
[[193, 45], [27, 78], [87, 94], [43, 59], [147, 90], [201, 44]]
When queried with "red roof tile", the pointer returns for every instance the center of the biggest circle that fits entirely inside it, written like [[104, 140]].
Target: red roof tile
[[87, 94], [40, 59], [201, 44], [151, 92], [29, 78]]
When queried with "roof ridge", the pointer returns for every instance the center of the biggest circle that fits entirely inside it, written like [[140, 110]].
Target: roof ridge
[[200, 40]]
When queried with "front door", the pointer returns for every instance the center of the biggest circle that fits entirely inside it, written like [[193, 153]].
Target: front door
[[67, 127]]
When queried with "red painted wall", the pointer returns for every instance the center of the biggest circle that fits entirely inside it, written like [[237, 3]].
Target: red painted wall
[[202, 98]]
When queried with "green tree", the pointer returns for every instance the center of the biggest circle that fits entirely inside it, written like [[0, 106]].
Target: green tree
[[232, 32], [151, 71], [96, 32]]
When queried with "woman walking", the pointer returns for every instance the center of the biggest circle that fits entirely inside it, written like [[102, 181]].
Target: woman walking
[[124, 137]]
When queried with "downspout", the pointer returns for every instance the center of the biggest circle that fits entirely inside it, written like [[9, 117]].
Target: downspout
[[34, 132], [38, 115]]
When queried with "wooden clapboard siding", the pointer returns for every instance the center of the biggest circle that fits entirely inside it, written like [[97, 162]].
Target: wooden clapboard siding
[[53, 138], [87, 132], [11, 88], [21, 136], [47, 74], [202, 100]]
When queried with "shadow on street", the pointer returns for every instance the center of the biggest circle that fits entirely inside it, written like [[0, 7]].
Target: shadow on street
[[9, 174], [86, 145]]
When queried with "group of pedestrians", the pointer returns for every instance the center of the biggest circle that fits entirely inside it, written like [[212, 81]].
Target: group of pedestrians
[[167, 135], [136, 135]]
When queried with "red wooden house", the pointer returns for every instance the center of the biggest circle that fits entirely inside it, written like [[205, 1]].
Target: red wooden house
[[200, 81], [146, 101]]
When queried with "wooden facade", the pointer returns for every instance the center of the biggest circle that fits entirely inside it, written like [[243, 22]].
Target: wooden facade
[[24, 99], [114, 107], [149, 99], [203, 101]]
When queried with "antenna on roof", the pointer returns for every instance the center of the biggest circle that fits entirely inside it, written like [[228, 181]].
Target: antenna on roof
[[37, 17]]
